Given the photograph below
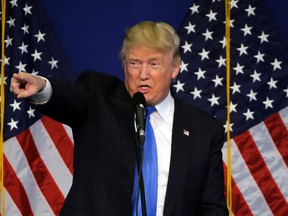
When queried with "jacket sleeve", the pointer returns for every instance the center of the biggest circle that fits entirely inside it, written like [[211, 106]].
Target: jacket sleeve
[[70, 102]]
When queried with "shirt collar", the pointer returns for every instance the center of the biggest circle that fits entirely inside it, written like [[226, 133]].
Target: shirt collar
[[166, 107]]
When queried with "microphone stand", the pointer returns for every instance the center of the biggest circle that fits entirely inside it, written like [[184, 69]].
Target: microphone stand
[[140, 176]]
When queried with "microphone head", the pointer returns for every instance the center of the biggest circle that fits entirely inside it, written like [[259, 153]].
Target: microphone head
[[138, 98]]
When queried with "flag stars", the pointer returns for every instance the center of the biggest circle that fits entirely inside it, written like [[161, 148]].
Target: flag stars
[[249, 114], [214, 100], [232, 107], [21, 67], [13, 124], [235, 88], [27, 9], [231, 23], [268, 103], [204, 54], [11, 22], [25, 29], [190, 28], [6, 60], [247, 30], [23, 48], [211, 15], [250, 10], [15, 105], [233, 4], [221, 61], [183, 67], [272, 83], [230, 127], [31, 112], [252, 95], [196, 93], [36, 55], [8, 41], [53, 63], [276, 64], [208, 35], [223, 42], [5, 78], [263, 37], [217, 81], [40, 36], [179, 86], [13, 3], [200, 74], [35, 72], [286, 91], [194, 8], [187, 47], [239, 69], [259, 57], [256, 76], [242, 49]]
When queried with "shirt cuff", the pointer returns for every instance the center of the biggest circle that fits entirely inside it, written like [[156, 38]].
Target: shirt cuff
[[44, 96]]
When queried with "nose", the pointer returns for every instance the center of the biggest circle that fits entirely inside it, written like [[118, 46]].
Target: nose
[[144, 72]]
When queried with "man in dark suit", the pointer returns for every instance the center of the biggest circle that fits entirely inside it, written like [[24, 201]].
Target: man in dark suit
[[100, 111]]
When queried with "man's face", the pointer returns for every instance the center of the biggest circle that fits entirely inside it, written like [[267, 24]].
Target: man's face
[[150, 72]]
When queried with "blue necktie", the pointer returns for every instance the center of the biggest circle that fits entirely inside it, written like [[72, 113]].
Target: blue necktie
[[149, 170]]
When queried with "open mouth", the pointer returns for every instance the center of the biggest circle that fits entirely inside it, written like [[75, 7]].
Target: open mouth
[[143, 88]]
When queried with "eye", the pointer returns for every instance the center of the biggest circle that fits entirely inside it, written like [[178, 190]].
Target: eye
[[156, 64], [134, 64]]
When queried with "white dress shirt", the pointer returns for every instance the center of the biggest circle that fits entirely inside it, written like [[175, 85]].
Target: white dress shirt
[[162, 123]]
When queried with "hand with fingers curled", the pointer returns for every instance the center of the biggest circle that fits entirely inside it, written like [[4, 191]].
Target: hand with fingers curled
[[24, 84]]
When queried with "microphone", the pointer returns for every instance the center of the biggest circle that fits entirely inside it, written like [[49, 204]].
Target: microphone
[[139, 103]]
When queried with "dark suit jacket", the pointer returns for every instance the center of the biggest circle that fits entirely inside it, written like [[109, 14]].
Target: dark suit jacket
[[101, 114]]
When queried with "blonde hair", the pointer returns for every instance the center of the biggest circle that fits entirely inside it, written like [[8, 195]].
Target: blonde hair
[[157, 35]]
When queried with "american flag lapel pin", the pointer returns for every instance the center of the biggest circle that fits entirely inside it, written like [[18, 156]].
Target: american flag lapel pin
[[185, 132]]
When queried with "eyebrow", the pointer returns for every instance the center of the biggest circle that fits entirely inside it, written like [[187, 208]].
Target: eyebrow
[[153, 58]]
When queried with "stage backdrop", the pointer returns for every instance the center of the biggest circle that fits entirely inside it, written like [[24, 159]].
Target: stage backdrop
[[91, 32]]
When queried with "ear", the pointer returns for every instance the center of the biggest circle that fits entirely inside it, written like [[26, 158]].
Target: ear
[[175, 70]]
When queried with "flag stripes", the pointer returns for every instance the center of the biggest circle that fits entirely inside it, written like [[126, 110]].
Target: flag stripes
[[40, 172], [18, 196], [48, 150], [279, 134], [284, 116], [245, 182], [269, 152], [239, 204], [64, 144], [17, 158], [258, 169], [254, 154], [43, 185]]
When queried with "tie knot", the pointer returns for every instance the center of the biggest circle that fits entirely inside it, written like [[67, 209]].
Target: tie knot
[[149, 110]]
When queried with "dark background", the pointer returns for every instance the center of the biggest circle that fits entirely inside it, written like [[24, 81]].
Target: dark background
[[91, 32]]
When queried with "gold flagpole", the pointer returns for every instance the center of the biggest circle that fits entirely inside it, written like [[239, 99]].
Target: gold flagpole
[[228, 70]]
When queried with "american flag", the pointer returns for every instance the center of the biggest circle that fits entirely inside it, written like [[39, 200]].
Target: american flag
[[259, 96], [37, 150]]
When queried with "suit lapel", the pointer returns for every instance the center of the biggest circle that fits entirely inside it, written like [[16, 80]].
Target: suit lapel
[[182, 145], [125, 116]]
